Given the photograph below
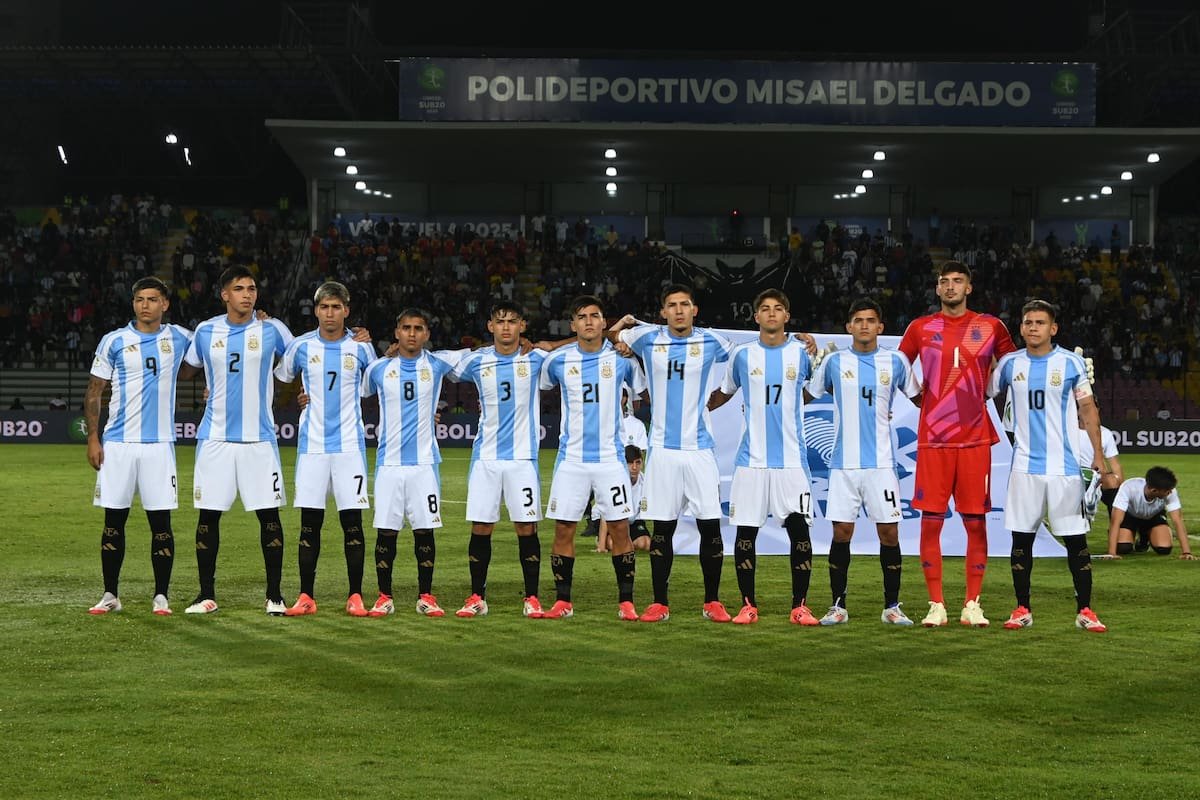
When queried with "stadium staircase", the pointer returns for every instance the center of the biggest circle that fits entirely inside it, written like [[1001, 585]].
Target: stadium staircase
[[163, 268], [36, 387]]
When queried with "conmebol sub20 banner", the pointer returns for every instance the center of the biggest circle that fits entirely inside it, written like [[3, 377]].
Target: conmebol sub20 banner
[[852, 92], [819, 436]]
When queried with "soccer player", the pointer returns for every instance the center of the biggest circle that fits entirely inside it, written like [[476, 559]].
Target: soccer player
[[681, 467], [407, 485], [137, 449], [1138, 510], [236, 449], [331, 447], [504, 457], [639, 534], [591, 458], [1112, 475], [771, 468], [956, 348], [863, 382], [1051, 396]]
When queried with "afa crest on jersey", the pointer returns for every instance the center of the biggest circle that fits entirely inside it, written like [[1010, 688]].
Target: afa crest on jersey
[[252, 342], [1056, 378], [425, 375], [522, 370], [790, 374], [165, 345], [694, 351], [348, 362], [606, 371], [884, 378]]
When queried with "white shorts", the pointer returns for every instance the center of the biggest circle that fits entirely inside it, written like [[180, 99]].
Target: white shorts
[[346, 473], [756, 490], [516, 481], [852, 489], [1058, 498], [412, 492], [574, 482], [682, 482], [225, 470], [147, 468]]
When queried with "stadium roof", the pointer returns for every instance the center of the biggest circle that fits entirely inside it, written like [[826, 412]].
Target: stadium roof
[[734, 154]]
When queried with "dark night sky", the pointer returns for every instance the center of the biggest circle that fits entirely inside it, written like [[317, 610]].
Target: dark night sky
[[1018, 26]]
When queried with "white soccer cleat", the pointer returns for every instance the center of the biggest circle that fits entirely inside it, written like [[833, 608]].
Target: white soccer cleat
[[427, 605], [936, 616], [972, 614], [276, 608], [109, 604], [475, 606], [160, 607], [1087, 621], [836, 615], [202, 605], [892, 615]]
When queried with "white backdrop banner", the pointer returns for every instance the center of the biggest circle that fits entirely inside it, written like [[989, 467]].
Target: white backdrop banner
[[818, 426]]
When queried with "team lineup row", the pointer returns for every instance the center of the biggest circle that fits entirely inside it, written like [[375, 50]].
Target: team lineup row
[[241, 355]]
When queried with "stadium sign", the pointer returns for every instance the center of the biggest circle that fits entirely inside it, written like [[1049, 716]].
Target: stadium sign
[[1156, 436], [852, 92]]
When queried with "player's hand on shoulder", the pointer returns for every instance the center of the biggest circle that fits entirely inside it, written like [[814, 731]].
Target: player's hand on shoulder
[[820, 355], [810, 344], [623, 348], [361, 335], [627, 321], [261, 315], [392, 350]]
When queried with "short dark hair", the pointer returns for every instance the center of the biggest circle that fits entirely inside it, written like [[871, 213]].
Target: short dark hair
[[772, 294], [506, 307], [150, 282], [632, 453], [1161, 478], [414, 312], [1040, 305], [332, 289], [864, 304], [955, 266], [676, 288], [235, 271], [585, 300]]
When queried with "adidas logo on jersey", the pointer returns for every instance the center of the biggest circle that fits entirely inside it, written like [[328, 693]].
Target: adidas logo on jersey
[[391, 373], [754, 373], [130, 348], [848, 374], [362, 501], [1020, 378], [316, 359], [573, 371], [219, 344]]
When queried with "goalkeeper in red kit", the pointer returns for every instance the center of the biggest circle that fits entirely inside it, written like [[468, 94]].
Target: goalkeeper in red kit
[[957, 349]]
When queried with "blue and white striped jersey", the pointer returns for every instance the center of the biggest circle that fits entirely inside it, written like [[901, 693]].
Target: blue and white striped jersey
[[863, 386], [591, 384], [679, 372], [771, 380], [408, 390], [1045, 413], [332, 376], [510, 414], [143, 369], [237, 362]]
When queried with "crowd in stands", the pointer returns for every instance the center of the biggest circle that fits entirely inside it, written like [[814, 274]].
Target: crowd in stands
[[64, 283]]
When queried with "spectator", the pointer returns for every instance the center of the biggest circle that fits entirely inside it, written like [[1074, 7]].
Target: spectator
[[57, 403]]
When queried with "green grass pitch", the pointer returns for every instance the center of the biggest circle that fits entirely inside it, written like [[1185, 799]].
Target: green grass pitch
[[242, 705]]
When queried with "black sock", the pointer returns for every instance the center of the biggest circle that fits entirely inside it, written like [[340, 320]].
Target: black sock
[[1079, 560], [800, 557], [530, 550], [112, 547], [162, 549], [426, 554], [385, 557], [311, 520], [625, 566], [270, 536], [746, 562], [479, 556], [890, 562], [712, 557], [563, 568], [1021, 562], [208, 543], [839, 571], [662, 556], [355, 547]]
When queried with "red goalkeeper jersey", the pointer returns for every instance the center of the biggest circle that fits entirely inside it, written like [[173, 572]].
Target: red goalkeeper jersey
[[956, 355]]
